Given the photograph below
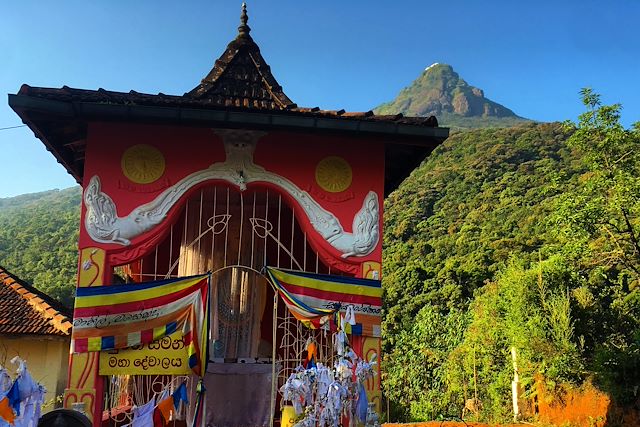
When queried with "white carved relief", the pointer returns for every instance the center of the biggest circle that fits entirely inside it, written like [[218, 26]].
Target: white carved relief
[[103, 225]]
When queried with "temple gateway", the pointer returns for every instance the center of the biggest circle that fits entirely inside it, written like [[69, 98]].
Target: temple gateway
[[230, 245]]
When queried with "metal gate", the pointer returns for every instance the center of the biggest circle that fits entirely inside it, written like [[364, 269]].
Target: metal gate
[[235, 235]]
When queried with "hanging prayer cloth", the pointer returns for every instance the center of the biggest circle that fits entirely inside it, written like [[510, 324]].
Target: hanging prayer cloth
[[123, 316], [21, 402], [143, 415], [314, 298]]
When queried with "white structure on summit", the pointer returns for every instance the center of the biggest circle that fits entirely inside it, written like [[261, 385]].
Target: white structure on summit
[[431, 66]]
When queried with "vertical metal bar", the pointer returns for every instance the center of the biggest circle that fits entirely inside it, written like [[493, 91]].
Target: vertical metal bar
[[236, 279], [253, 235], [213, 234], [200, 233], [226, 233], [155, 264], [241, 227], [293, 227], [184, 235], [266, 220], [170, 251], [279, 212], [274, 378], [304, 251], [186, 220]]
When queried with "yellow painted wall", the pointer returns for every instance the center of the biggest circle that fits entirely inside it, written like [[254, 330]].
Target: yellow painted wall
[[47, 360]]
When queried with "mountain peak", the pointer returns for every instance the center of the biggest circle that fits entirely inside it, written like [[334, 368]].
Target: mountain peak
[[435, 64], [439, 91]]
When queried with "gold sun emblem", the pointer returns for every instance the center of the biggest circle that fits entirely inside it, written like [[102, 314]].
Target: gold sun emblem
[[142, 164], [333, 174]]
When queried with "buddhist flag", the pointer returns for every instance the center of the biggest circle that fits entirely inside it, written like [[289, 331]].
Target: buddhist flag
[[121, 316], [313, 298], [167, 408]]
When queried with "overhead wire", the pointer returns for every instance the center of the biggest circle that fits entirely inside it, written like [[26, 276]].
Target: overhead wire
[[13, 127]]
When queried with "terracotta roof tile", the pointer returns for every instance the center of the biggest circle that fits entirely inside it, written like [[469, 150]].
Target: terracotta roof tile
[[26, 310]]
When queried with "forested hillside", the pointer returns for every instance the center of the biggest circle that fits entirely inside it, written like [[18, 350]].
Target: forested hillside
[[523, 237], [479, 199], [39, 240], [481, 202]]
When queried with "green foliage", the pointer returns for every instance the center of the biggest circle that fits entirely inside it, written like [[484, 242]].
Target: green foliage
[[606, 211], [39, 240], [480, 200], [530, 236], [416, 378], [599, 228], [528, 307]]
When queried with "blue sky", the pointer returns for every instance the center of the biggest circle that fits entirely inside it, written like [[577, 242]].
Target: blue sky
[[532, 57]]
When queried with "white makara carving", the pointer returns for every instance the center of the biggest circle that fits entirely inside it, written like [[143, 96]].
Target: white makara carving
[[104, 225]]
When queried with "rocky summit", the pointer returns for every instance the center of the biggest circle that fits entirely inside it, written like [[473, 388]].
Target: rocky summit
[[439, 91]]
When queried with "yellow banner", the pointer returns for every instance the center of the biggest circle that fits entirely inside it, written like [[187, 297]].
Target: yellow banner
[[167, 356]]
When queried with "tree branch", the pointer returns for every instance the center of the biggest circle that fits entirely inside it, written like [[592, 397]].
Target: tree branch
[[631, 232]]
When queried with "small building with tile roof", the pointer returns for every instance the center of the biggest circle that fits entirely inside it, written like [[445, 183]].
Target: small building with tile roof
[[37, 328]]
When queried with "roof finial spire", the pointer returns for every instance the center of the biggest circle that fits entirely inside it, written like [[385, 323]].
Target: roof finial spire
[[244, 29]]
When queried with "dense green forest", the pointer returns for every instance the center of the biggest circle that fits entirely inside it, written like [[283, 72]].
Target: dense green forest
[[477, 207], [39, 240], [524, 237]]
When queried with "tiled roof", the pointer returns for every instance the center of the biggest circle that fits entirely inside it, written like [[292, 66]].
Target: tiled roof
[[26, 310], [133, 98]]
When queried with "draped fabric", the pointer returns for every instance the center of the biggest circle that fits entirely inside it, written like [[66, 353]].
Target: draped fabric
[[314, 298], [238, 302], [244, 397], [21, 402], [143, 415], [121, 316]]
